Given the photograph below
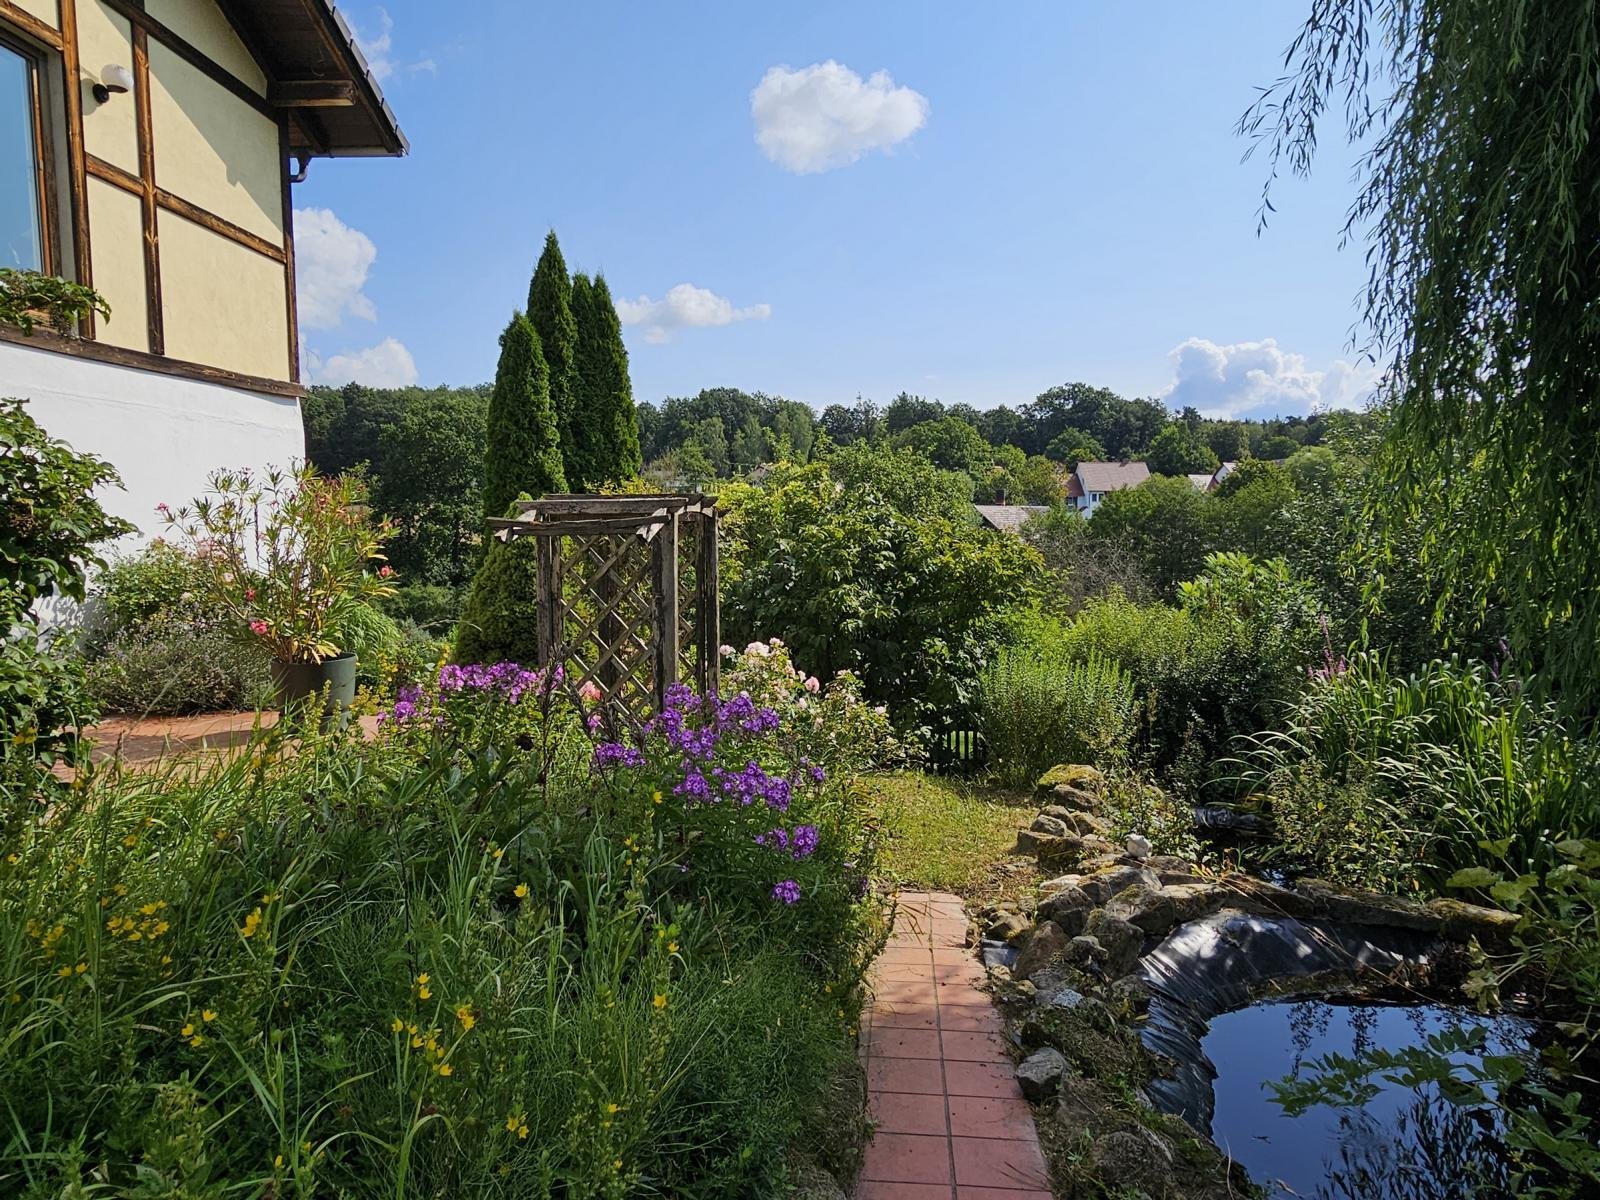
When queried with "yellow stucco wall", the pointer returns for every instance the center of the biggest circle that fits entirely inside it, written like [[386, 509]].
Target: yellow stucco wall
[[116, 251], [110, 130], [46, 10], [202, 25], [222, 304], [213, 149]]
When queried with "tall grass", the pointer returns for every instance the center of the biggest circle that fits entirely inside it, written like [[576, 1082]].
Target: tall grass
[[1452, 755], [1038, 707], [373, 971]]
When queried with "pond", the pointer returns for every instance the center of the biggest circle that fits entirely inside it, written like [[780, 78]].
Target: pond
[[1404, 1143]]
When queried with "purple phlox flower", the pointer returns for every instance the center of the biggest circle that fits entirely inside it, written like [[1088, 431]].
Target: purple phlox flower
[[680, 696], [608, 754], [406, 701], [788, 891], [811, 771], [694, 787], [777, 838], [803, 841]]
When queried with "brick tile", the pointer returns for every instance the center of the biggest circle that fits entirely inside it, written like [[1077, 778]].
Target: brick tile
[[981, 1018], [973, 1046], [959, 972], [908, 954], [985, 1117], [877, 1189], [984, 1193], [980, 1079], [887, 1015], [953, 954], [989, 1162], [908, 1112], [903, 991], [909, 937], [909, 1158], [907, 972], [924, 1076], [904, 1043]]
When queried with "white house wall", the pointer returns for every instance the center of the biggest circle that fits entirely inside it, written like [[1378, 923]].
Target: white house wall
[[163, 433]]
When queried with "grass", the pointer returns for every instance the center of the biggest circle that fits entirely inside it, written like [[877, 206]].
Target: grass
[[950, 835]]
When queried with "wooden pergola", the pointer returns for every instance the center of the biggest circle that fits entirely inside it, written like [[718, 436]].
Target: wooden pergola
[[627, 595]]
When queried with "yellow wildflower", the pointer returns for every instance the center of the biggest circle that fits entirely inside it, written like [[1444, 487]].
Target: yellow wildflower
[[207, 1015], [464, 1015], [197, 1040], [131, 840], [424, 992], [512, 1122], [655, 797], [147, 910], [80, 968], [520, 891], [251, 924], [187, 1030], [445, 1069], [613, 1108], [672, 947], [64, 972], [397, 1025], [278, 1162], [661, 1000]]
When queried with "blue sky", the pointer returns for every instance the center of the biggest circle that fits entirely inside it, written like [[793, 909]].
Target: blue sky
[[1028, 194]]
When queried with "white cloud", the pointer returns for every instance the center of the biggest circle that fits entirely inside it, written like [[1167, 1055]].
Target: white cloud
[[331, 263], [388, 364], [826, 116], [685, 307], [1260, 379], [378, 50]]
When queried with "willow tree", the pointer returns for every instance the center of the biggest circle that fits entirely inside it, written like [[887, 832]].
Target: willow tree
[[1480, 198]]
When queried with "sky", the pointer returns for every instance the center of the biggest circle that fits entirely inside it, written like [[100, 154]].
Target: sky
[[833, 200]]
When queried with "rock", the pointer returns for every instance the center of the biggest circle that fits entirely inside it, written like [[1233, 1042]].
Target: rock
[[1078, 1103], [1462, 920], [1252, 895], [1052, 825], [1039, 1075], [1047, 943], [1122, 941], [1170, 862], [1158, 910], [1056, 854], [1082, 824], [1066, 798], [1077, 774], [1130, 994], [1008, 927], [1103, 885], [1070, 899], [1059, 884], [1062, 999], [1219, 819], [1029, 840], [1139, 846], [1096, 863], [1085, 950], [1368, 908], [997, 953], [1132, 1160]]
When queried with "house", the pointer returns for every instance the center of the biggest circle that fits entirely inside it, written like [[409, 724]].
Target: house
[[1008, 518], [1203, 482], [146, 150], [1092, 480]]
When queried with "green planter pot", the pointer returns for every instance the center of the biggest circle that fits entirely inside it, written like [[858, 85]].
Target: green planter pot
[[334, 679]]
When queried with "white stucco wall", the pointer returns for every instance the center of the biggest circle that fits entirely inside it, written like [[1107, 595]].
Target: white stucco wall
[[163, 433]]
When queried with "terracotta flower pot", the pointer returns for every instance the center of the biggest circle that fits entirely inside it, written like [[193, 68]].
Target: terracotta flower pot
[[295, 684]]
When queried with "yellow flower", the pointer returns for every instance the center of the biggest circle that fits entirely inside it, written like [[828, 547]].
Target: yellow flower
[[131, 840], [522, 1131], [464, 1015], [661, 1000], [197, 1040], [278, 1162], [499, 853], [251, 924], [397, 1025], [187, 1030], [147, 910], [672, 947], [655, 797], [445, 1069], [424, 992], [207, 1014], [613, 1108], [416, 1042], [512, 1122], [423, 978], [80, 968], [520, 891], [64, 972], [616, 1164]]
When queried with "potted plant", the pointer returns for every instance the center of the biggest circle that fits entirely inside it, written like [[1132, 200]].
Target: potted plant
[[291, 556]]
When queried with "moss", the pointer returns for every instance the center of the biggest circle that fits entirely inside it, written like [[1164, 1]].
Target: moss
[[1071, 774]]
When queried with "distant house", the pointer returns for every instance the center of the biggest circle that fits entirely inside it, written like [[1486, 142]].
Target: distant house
[[1202, 481], [148, 149], [1222, 472], [1092, 480], [1008, 518]]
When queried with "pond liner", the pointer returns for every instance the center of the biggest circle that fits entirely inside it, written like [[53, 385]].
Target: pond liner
[[1228, 960]]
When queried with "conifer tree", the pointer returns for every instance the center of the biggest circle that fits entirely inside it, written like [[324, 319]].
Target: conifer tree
[[523, 452], [550, 312], [497, 622], [619, 416], [587, 453]]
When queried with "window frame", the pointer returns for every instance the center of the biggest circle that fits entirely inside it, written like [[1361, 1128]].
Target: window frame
[[39, 62]]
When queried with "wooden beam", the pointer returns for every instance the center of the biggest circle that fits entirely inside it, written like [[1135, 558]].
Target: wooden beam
[[30, 25], [664, 558], [312, 93], [290, 300], [78, 183], [155, 317], [196, 58], [43, 339], [110, 173], [219, 225]]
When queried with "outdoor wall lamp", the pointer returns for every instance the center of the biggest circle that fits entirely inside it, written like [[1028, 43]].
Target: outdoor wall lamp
[[113, 78]]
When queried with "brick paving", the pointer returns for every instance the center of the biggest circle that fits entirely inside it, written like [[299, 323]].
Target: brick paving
[[951, 1121], [143, 740]]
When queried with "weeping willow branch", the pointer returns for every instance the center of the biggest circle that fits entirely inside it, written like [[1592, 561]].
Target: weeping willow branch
[[1479, 199]]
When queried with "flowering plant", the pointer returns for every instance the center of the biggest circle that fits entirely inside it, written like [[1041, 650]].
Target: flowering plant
[[479, 704], [290, 556]]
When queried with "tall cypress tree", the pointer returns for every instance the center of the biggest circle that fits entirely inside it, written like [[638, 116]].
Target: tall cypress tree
[[550, 311], [588, 451], [618, 415], [523, 453]]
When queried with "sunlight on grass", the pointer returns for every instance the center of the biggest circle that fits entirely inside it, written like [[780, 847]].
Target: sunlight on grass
[[944, 834]]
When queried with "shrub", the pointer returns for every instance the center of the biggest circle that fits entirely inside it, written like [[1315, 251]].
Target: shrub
[[1038, 707], [868, 562], [499, 622]]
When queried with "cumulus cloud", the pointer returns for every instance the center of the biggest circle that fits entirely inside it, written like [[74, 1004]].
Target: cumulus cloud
[[331, 265], [685, 307], [826, 116], [378, 49], [1261, 379], [388, 364]]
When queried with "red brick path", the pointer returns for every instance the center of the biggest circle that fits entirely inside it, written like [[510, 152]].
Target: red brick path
[[951, 1121]]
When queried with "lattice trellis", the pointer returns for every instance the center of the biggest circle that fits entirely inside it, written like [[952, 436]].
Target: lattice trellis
[[628, 595]]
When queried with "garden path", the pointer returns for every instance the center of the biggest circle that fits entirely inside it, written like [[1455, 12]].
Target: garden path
[[146, 741], [951, 1121]]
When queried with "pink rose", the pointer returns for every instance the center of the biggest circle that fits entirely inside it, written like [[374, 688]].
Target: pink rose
[[589, 691], [258, 627], [385, 571], [811, 683]]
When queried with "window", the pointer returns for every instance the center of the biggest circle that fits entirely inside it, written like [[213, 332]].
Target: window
[[23, 236]]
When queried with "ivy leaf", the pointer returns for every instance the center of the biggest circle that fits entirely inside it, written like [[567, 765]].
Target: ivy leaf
[[1473, 877]]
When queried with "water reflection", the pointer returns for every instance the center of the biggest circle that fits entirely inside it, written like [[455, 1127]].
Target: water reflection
[[1405, 1143]]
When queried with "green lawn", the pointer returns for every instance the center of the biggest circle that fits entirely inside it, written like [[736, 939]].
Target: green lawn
[[950, 835]]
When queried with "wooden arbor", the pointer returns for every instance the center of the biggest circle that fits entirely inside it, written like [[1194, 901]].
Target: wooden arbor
[[627, 595]]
